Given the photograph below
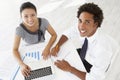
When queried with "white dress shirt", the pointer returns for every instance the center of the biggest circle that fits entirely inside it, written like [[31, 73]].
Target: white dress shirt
[[101, 48]]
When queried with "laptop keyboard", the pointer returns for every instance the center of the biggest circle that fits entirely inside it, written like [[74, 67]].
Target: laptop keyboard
[[39, 73]]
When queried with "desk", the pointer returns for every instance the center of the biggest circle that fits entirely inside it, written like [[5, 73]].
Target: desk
[[67, 52]]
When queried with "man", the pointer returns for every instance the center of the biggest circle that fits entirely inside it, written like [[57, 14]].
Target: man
[[100, 47]]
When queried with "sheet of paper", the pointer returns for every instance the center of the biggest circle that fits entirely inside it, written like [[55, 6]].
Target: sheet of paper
[[67, 52]]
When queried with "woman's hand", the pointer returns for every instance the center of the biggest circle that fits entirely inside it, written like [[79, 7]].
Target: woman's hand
[[25, 69], [45, 53]]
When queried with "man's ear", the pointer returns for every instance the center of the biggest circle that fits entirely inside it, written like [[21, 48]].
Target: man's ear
[[96, 24]]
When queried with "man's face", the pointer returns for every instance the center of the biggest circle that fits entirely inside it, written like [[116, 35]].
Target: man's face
[[86, 25]]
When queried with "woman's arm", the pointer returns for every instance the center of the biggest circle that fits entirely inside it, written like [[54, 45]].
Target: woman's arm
[[50, 43], [15, 49], [25, 69]]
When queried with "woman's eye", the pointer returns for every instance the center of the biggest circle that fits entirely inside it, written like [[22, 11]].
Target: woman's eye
[[26, 16]]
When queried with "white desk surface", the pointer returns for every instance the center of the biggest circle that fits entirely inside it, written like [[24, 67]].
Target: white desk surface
[[67, 52]]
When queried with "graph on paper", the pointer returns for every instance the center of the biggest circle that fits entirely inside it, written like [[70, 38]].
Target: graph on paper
[[35, 54]]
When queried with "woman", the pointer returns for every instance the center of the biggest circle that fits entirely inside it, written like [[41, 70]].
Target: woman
[[32, 31]]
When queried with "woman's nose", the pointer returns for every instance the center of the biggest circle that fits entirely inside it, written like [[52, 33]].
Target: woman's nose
[[30, 18]]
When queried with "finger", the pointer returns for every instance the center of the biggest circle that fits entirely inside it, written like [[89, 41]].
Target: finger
[[29, 68], [64, 60], [42, 54], [27, 74], [45, 57], [53, 52], [24, 73], [57, 63], [56, 54]]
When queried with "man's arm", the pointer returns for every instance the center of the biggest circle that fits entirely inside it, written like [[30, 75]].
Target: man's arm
[[61, 41], [65, 66]]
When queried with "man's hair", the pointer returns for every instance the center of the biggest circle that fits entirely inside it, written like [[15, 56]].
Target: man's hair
[[27, 5], [92, 9]]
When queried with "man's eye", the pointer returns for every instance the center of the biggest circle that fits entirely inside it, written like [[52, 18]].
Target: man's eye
[[33, 15], [87, 22]]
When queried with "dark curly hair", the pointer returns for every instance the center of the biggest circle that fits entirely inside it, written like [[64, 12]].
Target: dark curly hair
[[27, 5], [92, 9]]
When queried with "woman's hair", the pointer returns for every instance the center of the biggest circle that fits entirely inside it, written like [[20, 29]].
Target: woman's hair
[[27, 5], [92, 9]]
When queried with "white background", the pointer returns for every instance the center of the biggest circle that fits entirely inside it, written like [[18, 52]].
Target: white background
[[60, 13]]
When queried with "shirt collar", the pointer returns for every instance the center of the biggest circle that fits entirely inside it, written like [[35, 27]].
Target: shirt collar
[[93, 37]]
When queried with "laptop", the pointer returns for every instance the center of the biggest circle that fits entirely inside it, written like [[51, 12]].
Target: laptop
[[40, 69]]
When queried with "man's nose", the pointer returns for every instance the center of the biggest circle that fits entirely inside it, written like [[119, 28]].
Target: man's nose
[[82, 26]]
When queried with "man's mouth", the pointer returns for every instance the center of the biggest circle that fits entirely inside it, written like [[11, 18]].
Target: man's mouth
[[82, 31]]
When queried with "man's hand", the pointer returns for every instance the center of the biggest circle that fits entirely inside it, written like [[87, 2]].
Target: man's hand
[[55, 50], [64, 65]]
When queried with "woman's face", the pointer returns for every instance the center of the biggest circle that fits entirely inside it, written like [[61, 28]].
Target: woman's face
[[29, 17]]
